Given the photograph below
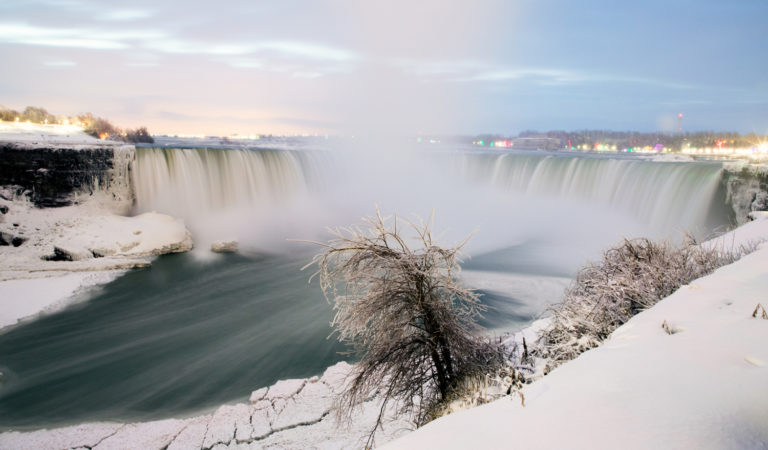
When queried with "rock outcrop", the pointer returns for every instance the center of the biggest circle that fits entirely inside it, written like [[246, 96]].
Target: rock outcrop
[[66, 174], [746, 190]]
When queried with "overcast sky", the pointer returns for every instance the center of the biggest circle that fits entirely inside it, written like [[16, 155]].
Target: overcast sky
[[431, 66]]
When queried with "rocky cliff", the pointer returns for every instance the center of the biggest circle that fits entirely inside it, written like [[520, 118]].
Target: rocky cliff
[[55, 175], [746, 190]]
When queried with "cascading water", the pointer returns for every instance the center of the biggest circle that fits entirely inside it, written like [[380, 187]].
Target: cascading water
[[663, 195], [206, 180], [191, 333], [218, 191]]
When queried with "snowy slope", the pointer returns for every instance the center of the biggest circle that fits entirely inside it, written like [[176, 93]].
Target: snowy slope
[[705, 386], [50, 134]]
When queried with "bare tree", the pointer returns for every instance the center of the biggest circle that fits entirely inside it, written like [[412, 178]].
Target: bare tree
[[399, 306]]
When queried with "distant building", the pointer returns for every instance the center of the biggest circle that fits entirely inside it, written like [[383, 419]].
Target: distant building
[[537, 143]]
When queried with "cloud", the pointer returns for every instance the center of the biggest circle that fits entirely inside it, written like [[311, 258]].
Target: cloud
[[308, 75], [73, 37], [485, 72], [59, 63], [543, 76], [141, 64], [120, 15], [306, 50], [290, 49]]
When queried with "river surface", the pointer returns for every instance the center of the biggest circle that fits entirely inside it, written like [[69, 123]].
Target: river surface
[[183, 336]]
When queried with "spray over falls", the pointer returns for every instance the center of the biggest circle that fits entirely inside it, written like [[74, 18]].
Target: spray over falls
[[659, 198]]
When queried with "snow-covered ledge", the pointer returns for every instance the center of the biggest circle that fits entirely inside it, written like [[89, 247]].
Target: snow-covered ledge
[[700, 383], [62, 251], [289, 414], [49, 254]]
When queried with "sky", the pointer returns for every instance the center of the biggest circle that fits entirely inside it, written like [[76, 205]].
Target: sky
[[404, 66]]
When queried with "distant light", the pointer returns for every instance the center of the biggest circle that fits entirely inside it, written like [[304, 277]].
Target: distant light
[[418, 139], [481, 143], [680, 115]]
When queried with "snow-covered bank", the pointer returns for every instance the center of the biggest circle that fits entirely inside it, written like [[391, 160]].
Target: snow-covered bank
[[52, 253], [698, 382], [700, 387], [288, 414], [48, 255], [26, 299], [43, 133]]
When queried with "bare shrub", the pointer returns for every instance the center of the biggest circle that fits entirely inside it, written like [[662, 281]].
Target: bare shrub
[[757, 312], [399, 306], [101, 128], [630, 278]]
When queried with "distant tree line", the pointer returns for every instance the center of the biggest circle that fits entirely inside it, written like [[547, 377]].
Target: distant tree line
[[94, 126], [630, 139]]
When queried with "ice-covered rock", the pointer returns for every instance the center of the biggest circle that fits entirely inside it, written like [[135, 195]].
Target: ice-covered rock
[[222, 427], [157, 434], [86, 435], [296, 416], [258, 394], [260, 423], [66, 252], [192, 436], [285, 388], [336, 376], [308, 406], [224, 246]]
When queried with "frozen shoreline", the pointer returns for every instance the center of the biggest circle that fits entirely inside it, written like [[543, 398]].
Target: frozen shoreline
[[289, 414], [640, 368], [93, 247], [698, 383], [50, 255]]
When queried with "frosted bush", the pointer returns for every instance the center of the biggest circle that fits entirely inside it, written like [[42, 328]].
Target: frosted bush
[[630, 278]]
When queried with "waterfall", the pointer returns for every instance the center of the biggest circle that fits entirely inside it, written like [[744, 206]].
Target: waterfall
[[189, 182], [270, 195], [659, 194]]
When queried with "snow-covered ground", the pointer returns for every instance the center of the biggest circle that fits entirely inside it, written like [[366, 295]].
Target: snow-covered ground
[[53, 134], [703, 386], [99, 244], [289, 414]]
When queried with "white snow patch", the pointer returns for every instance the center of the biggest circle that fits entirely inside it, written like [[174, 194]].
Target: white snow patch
[[102, 244], [221, 428], [671, 157], [701, 387], [41, 133], [191, 437], [285, 388], [86, 435], [156, 434], [25, 299]]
